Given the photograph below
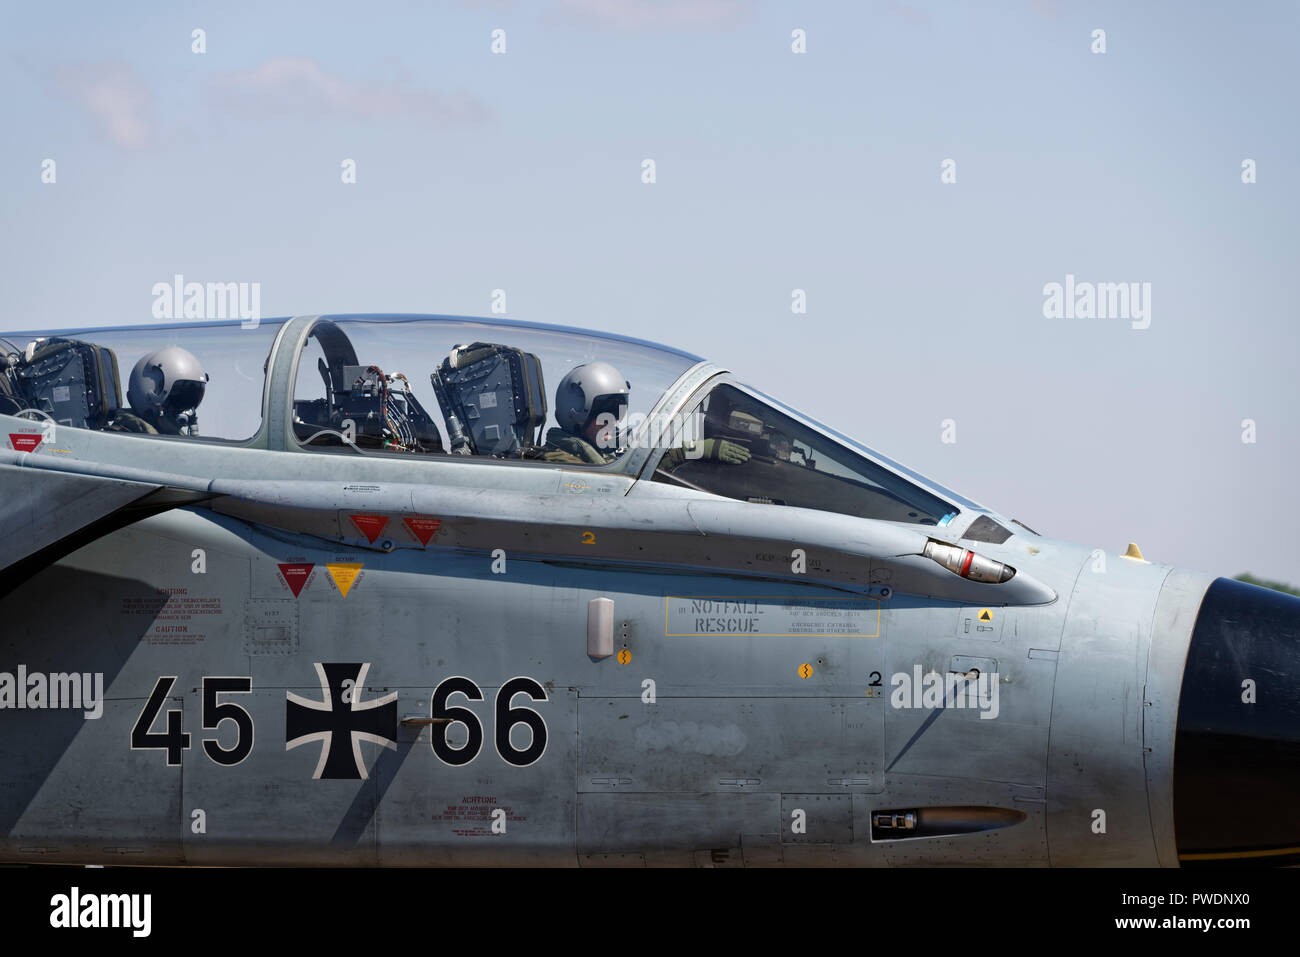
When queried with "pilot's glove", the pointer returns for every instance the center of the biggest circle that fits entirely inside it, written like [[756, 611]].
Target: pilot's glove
[[732, 453]]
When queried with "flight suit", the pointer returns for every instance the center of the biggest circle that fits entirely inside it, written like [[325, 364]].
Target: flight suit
[[569, 449], [130, 422]]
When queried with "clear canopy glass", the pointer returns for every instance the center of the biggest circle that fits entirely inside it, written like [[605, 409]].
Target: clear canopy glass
[[447, 386], [233, 359], [406, 351]]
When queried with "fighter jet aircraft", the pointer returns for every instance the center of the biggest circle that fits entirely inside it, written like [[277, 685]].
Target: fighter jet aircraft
[[364, 590]]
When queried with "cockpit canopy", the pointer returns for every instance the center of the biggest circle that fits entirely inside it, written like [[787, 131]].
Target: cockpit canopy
[[375, 371], [457, 389], [456, 386], [84, 378]]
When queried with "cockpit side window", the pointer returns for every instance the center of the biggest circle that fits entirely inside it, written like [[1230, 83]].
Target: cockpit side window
[[749, 451], [191, 381], [474, 389]]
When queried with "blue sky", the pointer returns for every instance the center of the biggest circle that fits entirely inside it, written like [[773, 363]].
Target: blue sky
[[775, 171]]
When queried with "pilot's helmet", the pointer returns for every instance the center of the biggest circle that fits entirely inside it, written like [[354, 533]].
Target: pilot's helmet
[[587, 391], [166, 388]]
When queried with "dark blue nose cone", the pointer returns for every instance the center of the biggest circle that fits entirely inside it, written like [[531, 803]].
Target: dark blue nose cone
[[1237, 751]]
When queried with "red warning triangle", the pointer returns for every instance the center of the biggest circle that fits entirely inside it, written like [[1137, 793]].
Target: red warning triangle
[[370, 525], [25, 441], [295, 575], [423, 528]]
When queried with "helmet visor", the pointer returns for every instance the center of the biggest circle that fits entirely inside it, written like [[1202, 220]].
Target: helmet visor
[[184, 396], [614, 404]]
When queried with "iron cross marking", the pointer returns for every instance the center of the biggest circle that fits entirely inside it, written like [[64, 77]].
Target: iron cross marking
[[340, 721]]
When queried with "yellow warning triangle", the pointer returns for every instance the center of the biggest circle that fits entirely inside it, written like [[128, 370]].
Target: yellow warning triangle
[[986, 615], [344, 574]]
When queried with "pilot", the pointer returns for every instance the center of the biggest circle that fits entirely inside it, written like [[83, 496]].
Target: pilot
[[589, 404], [166, 388]]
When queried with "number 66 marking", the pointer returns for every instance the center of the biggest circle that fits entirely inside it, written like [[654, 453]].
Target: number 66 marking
[[506, 718]]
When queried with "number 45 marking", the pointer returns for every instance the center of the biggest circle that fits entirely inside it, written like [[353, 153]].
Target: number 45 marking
[[215, 711]]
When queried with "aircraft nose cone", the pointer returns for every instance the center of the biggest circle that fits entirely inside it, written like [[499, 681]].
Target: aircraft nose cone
[[1237, 750]]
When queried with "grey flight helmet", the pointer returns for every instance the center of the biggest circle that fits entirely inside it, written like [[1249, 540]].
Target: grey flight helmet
[[166, 388], [589, 390]]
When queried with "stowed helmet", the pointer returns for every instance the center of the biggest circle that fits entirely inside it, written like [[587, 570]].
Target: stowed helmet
[[166, 388], [588, 391]]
